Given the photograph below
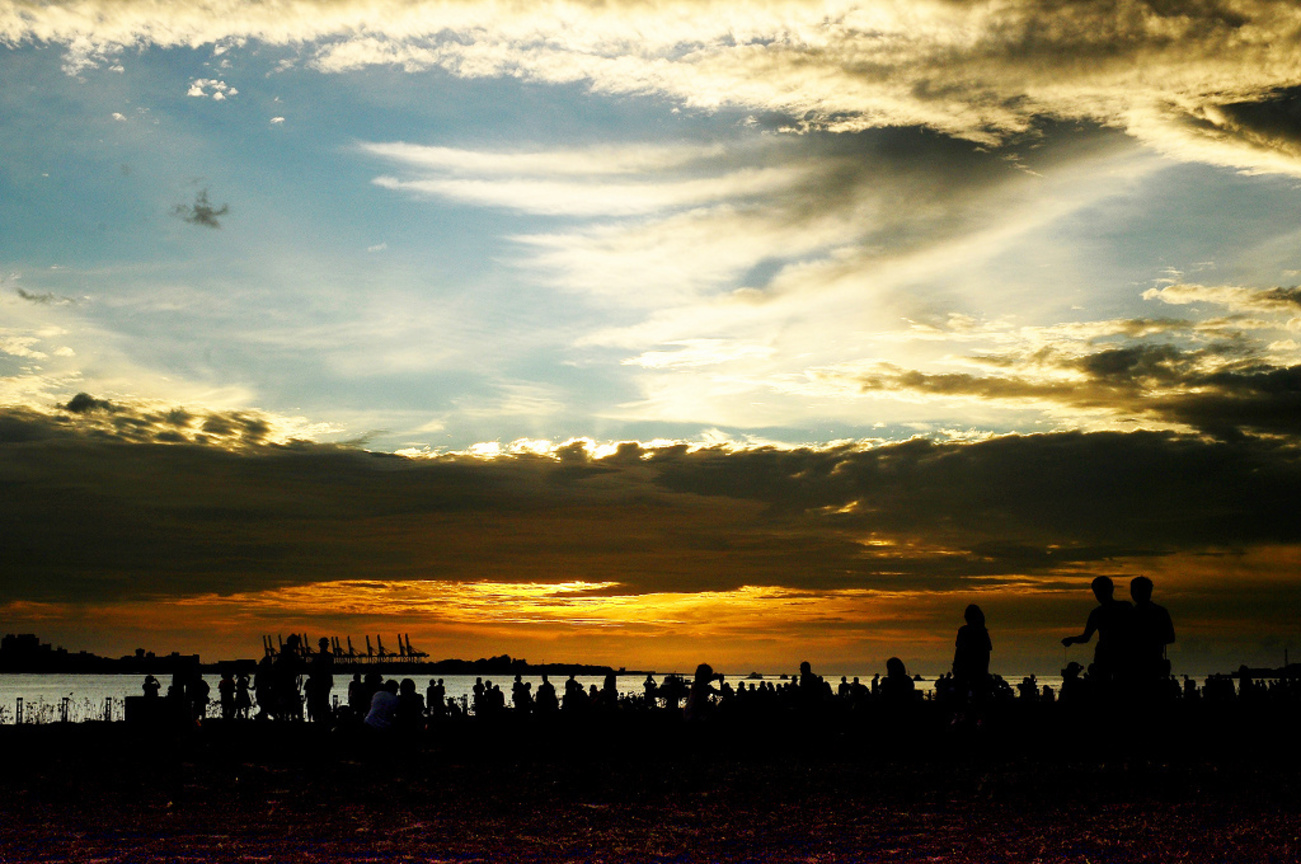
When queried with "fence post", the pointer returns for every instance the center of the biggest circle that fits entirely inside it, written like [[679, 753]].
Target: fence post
[[108, 709], [63, 710], [18, 714]]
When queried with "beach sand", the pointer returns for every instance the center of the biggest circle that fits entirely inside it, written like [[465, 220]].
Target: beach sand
[[108, 793]]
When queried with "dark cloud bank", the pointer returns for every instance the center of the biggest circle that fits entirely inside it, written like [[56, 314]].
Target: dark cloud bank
[[93, 514]]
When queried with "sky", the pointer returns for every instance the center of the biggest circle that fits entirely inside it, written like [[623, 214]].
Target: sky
[[650, 332]]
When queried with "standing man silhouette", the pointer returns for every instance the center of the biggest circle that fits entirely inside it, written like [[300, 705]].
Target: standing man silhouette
[[1153, 630], [1112, 621]]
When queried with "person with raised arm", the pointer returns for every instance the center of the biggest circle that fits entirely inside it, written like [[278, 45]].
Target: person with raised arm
[[1112, 620]]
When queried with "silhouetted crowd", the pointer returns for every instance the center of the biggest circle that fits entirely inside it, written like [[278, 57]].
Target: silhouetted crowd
[[1129, 665]]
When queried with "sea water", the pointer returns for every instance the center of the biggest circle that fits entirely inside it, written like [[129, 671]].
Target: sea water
[[52, 698]]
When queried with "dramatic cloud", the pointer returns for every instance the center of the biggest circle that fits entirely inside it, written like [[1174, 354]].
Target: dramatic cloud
[[1209, 81], [833, 261], [916, 514], [110, 522], [89, 418], [1219, 375]]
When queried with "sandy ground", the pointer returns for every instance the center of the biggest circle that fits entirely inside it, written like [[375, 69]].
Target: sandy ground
[[97, 793]]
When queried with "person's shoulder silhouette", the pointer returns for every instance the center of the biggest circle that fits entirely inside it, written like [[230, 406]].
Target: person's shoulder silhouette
[[897, 686], [1153, 630]]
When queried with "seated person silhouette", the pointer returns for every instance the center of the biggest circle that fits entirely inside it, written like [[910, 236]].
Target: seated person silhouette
[[1074, 688], [897, 687], [383, 708], [1111, 620]]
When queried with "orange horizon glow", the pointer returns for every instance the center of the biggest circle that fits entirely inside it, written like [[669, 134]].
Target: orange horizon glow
[[751, 628]]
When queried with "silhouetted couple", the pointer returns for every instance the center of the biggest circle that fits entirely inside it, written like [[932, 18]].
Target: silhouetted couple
[[1131, 637]]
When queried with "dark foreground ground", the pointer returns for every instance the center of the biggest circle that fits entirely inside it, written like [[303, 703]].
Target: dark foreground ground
[[1102, 788]]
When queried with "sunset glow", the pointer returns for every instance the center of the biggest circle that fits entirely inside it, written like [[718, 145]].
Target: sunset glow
[[647, 334]]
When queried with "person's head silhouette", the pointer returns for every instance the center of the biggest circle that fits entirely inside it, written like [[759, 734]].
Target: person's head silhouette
[[1103, 589], [1140, 588], [974, 616]]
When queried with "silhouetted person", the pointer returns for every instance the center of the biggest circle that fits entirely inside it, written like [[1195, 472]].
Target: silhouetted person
[[673, 690], [609, 695], [383, 707], [358, 701], [176, 690], [493, 699], [371, 684], [971, 656], [547, 703], [198, 691], [811, 690], [521, 695], [477, 692], [700, 698], [151, 687], [408, 716], [243, 702], [1111, 620], [1249, 690], [264, 688], [1152, 631], [436, 698], [226, 693], [650, 689], [321, 681], [897, 687], [1074, 688], [575, 699], [288, 666]]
